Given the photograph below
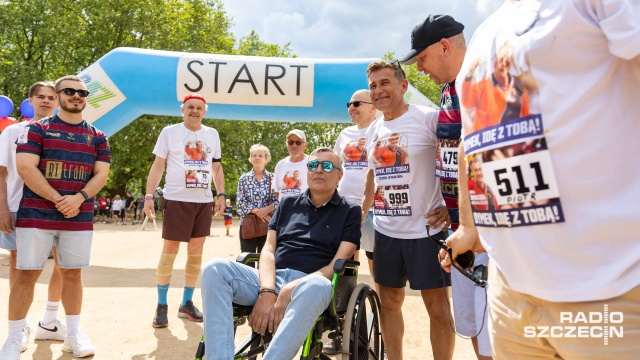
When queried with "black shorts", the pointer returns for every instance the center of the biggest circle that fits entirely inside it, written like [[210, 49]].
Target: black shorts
[[104, 212], [369, 254], [397, 260]]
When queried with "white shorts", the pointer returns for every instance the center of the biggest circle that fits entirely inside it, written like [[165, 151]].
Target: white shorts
[[367, 239], [469, 307], [34, 246], [8, 241]]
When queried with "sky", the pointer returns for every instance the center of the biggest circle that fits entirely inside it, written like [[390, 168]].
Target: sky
[[348, 29]]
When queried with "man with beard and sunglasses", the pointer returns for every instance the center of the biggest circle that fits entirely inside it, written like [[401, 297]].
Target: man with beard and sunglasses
[[64, 162], [292, 285], [43, 98]]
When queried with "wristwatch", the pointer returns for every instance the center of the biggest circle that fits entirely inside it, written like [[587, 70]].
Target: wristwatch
[[84, 195]]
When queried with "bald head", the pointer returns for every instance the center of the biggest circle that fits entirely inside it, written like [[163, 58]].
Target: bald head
[[363, 114]]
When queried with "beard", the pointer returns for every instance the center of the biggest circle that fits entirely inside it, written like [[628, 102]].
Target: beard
[[72, 108]]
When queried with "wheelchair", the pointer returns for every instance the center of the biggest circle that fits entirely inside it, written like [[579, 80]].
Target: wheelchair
[[353, 318]]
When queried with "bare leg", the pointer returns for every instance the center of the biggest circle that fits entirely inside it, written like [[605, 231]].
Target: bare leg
[[72, 291], [391, 300], [21, 294], [13, 259], [442, 337]]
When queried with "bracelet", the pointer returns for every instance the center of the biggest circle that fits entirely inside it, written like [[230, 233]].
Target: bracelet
[[84, 195], [148, 197], [265, 290], [222, 194]]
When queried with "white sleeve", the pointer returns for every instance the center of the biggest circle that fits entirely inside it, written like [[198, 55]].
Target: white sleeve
[[275, 184], [618, 20], [5, 149], [337, 146], [162, 147]]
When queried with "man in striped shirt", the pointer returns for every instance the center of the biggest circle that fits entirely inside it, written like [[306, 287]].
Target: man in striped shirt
[[64, 162]]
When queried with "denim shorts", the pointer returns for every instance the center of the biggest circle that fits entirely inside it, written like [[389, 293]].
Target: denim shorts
[[8, 241], [34, 246]]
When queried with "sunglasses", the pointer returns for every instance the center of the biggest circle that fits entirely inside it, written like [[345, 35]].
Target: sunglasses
[[297, 142], [71, 92], [396, 63], [356, 103], [327, 166]]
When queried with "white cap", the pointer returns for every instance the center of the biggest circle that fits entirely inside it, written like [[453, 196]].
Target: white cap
[[298, 133], [228, 201]]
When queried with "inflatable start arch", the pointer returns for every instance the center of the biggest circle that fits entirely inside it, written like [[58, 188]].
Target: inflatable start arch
[[127, 83]]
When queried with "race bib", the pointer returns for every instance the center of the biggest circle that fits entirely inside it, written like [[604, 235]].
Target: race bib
[[447, 159], [197, 179], [392, 201]]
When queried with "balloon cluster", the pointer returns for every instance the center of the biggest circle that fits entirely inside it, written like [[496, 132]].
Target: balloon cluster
[[6, 108]]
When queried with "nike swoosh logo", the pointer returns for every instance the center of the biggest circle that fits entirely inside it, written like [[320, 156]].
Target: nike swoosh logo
[[55, 328]]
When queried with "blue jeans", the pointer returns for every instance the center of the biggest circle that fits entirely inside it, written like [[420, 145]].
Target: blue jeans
[[224, 282]]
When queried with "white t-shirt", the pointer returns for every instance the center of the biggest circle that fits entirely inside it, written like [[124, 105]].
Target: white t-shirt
[[402, 153], [190, 156], [8, 160], [351, 146], [566, 225], [290, 178], [118, 205]]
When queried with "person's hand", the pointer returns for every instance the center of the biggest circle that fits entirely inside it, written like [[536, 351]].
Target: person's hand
[[7, 223], [219, 206], [472, 68], [262, 310], [438, 217], [284, 298], [148, 209], [461, 241], [263, 213], [68, 204]]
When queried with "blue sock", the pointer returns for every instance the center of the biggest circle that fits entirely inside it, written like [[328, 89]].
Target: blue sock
[[162, 294], [187, 295]]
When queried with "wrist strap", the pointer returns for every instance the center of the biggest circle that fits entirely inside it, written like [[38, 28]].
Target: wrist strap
[[222, 194], [265, 290], [84, 195]]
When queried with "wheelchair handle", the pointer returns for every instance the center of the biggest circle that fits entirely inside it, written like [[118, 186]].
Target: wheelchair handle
[[341, 264], [246, 257]]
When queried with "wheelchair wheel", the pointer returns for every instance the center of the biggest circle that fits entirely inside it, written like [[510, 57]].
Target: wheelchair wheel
[[361, 334]]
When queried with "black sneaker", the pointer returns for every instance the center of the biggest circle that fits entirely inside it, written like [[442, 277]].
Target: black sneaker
[[190, 311], [161, 320]]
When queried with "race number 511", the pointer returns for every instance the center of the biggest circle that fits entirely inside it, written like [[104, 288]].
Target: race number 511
[[527, 178]]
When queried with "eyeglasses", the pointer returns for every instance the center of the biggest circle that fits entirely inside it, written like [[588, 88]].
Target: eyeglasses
[[396, 64], [356, 103], [71, 92], [327, 166], [297, 142]]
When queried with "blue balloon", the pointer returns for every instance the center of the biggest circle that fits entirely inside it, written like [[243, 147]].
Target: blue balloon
[[6, 106], [26, 109]]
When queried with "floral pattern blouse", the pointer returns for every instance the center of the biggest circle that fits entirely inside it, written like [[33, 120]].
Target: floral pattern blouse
[[252, 194]]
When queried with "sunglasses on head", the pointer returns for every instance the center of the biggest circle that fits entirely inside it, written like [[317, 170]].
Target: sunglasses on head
[[71, 92], [356, 103], [297, 142], [396, 63], [327, 166]]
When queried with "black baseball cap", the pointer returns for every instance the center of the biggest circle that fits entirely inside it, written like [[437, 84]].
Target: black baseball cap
[[429, 31]]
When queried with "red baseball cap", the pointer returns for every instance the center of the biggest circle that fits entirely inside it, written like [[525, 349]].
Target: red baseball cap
[[194, 96]]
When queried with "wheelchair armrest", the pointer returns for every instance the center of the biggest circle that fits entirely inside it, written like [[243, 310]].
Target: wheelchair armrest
[[246, 257], [341, 264]]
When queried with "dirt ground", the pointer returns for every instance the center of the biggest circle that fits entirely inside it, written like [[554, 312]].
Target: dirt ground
[[120, 299]]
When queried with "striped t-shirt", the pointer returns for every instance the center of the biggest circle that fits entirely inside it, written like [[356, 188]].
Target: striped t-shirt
[[448, 130], [67, 155]]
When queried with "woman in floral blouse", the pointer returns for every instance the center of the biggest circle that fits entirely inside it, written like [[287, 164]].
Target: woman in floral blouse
[[253, 195]]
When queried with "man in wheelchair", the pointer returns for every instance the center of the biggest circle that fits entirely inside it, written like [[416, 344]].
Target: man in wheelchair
[[292, 286]]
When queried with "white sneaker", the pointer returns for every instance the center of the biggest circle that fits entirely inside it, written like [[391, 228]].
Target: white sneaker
[[80, 345], [26, 333], [11, 350], [55, 330]]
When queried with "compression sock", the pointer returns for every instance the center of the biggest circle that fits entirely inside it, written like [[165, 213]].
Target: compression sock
[[187, 295], [162, 294]]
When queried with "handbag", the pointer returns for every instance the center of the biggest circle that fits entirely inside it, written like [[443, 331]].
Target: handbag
[[252, 225]]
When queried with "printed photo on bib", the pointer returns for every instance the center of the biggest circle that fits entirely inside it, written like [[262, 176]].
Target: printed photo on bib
[[291, 183], [510, 170], [391, 160], [196, 179]]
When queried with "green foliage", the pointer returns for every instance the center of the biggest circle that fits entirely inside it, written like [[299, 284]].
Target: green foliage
[[46, 39]]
